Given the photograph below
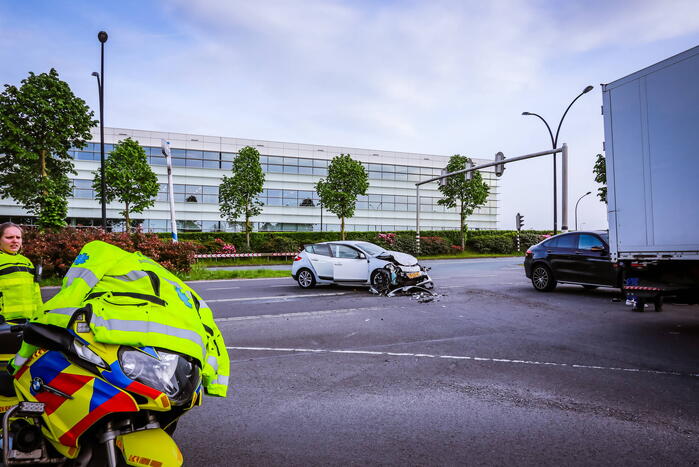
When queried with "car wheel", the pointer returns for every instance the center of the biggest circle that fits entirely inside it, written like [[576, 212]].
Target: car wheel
[[542, 278], [590, 287], [305, 279], [379, 279]]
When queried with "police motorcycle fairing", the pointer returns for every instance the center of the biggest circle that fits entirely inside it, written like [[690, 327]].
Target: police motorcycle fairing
[[80, 402]]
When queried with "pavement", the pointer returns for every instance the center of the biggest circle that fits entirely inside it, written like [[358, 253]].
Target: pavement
[[492, 373]]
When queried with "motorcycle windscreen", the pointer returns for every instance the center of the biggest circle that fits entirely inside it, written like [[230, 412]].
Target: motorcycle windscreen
[[149, 447]]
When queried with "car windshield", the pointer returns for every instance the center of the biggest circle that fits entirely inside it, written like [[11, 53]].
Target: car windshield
[[370, 248]]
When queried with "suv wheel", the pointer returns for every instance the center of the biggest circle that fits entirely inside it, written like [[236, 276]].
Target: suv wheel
[[542, 278], [305, 279]]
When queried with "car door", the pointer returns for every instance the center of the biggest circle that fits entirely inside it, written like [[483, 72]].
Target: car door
[[560, 252], [321, 260], [349, 264], [592, 263]]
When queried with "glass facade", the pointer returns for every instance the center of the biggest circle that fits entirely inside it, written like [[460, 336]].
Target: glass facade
[[293, 192]]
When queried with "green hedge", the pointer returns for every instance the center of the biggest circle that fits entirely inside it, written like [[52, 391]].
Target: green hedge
[[432, 242]]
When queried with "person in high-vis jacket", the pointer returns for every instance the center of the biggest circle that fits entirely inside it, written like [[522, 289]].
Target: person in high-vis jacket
[[132, 300], [20, 296]]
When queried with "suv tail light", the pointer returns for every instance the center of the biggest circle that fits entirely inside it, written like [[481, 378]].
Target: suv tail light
[[297, 258], [529, 252]]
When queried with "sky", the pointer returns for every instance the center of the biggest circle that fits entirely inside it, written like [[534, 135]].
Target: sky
[[432, 76]]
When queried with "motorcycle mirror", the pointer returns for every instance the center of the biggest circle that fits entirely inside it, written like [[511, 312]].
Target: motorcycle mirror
[[47, 337]]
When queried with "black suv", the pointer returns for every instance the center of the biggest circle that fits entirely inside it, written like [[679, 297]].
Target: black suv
[[572, 258]]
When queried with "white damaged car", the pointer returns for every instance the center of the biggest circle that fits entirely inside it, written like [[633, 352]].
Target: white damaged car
[[357, 263]]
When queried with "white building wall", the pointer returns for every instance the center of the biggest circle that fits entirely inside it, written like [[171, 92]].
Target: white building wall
[[371, 219]]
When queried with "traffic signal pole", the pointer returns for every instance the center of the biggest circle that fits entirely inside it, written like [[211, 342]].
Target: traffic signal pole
[[499, 163]]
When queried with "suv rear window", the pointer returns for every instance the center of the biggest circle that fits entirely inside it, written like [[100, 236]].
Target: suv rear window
[[564, 241]]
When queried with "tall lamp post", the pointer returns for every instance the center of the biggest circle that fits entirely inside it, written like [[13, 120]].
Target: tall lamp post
[[554, 142], [102, 37], [576, 208]]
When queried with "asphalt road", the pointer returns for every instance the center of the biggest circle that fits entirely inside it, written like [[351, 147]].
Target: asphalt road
[[493, 373]]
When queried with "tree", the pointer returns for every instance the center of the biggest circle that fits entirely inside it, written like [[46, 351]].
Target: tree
[[600, 171], [39, 123], [467, 194], [338, 193], [129, 179], [238, 194]]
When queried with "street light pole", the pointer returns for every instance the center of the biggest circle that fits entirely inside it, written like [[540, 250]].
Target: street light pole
[[576, 208], [554, 142], [102, 37]]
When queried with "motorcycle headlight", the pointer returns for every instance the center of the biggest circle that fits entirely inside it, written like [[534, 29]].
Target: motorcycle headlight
[[171, 373], [84, 352]]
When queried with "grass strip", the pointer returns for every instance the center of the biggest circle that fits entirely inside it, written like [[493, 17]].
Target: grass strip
[[200, 274]]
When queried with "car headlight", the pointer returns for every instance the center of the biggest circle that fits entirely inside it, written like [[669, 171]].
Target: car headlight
[[171, 373]]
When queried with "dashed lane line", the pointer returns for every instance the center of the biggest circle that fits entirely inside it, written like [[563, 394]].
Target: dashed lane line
[[467, 357], [272, 297]]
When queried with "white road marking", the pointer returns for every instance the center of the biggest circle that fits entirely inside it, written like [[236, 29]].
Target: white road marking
[[230, 288], [299, 314], [466, 357], [280, 297]]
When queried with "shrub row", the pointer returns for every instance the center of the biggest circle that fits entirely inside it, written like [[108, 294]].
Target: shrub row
[[283, 242], [55, 251]]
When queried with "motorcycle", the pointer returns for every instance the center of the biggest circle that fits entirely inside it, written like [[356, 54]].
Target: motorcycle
[[79, 402]]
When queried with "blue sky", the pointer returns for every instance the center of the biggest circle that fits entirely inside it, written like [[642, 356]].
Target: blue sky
[[440, 77]]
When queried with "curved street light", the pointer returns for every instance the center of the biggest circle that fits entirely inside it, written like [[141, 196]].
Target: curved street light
[[554, 142], [576, 208]]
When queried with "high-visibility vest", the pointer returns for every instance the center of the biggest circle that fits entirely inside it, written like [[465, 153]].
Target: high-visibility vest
[[20, 296], [132, 300]]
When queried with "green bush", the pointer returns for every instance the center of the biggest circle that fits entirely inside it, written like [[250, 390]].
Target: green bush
[[500, 244], [405, 244], [280, 245], [433, 246], [57, 250], [268, 242]]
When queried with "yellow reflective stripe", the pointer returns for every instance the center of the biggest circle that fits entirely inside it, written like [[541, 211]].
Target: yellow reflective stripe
[[131, 276], [81, 273], [143, 327]]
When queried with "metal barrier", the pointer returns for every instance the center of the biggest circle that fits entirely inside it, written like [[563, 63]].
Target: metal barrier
[[242, 255]]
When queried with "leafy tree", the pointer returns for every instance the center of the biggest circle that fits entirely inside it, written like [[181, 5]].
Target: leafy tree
[[467, 194], [338, 192], [129, 179], [40, 121], [238, 194], [600, 171]]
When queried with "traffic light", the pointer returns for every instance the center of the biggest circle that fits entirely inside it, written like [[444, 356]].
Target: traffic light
[[443, 181], [469, 175], [499, 168], [519, 221]]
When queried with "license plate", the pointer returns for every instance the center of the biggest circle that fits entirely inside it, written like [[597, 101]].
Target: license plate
[[413, 275]]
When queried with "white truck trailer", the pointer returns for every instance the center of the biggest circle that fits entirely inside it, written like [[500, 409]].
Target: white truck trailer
[[651, 129]]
